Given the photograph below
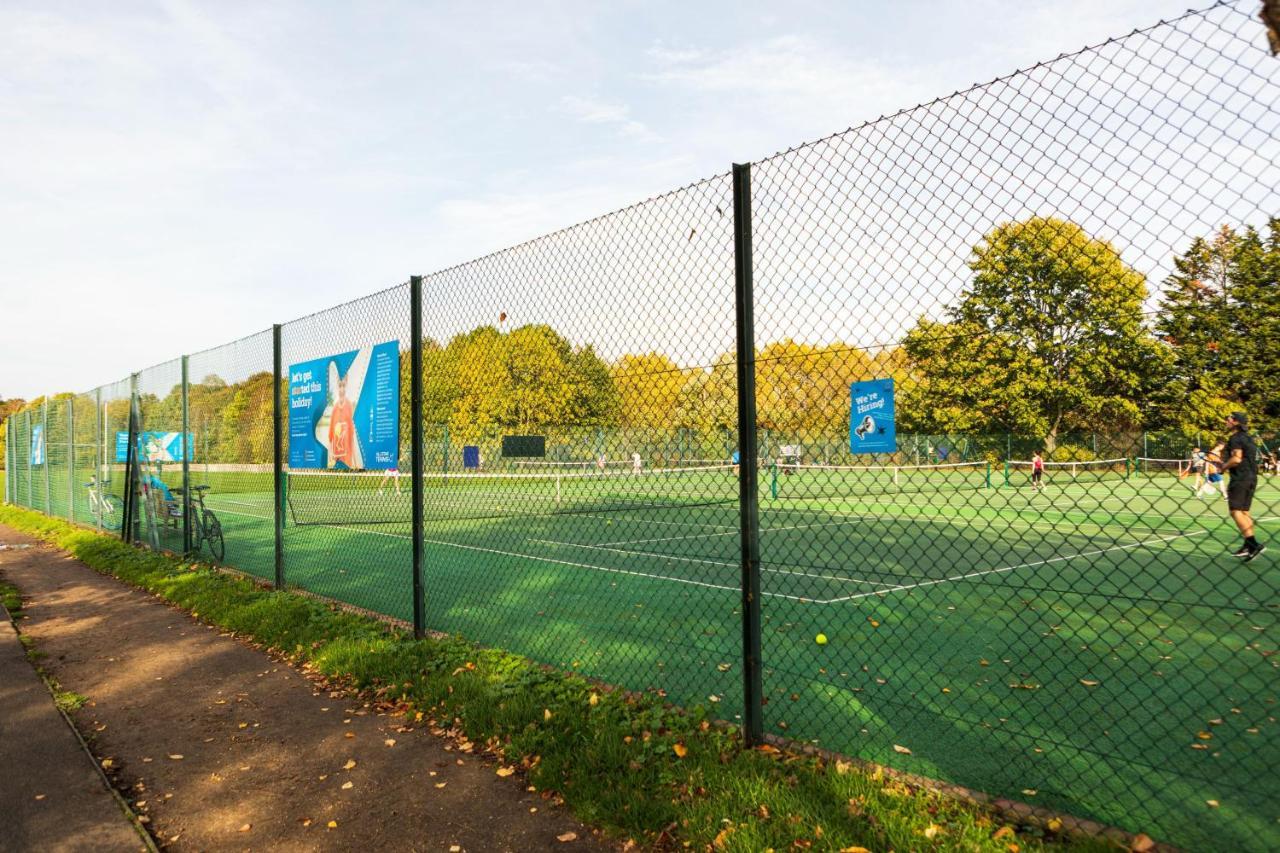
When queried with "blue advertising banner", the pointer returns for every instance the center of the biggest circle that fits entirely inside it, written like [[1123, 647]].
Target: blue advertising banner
[[344, 410], [37, 444], [155, 446], [871, 424]]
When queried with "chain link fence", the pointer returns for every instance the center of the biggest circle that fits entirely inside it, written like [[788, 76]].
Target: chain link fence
[[897, 443]]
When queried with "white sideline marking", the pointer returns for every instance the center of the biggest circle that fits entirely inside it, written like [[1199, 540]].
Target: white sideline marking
[[763, 568], [613, 570], [1002, 569]]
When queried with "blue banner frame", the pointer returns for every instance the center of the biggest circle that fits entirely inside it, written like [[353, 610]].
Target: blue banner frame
[[871, 417], [344, 410]]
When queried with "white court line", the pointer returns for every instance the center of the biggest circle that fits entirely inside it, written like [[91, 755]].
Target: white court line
[[1003, 569], [734, 565], [611, 570]]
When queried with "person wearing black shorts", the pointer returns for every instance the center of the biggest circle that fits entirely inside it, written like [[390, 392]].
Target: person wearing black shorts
[[1242, 461]]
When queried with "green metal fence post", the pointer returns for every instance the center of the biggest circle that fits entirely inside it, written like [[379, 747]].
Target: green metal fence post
[[31, 474], [44, 456], [748, 492], [99, 454], [71, 459], [415, 440], [277, 456], [186, 466]]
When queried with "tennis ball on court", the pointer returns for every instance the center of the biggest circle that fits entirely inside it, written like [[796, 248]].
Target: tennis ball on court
[[821, 639]]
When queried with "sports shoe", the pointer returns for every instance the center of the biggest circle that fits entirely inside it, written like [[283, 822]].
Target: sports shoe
[[1242, 551], [1255, 552]]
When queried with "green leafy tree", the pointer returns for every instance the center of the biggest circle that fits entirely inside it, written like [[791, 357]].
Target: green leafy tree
[[527, 379], [1220, 325], [1048, 338]]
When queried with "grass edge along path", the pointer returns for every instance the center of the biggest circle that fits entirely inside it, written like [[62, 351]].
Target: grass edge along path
[[644, 771]]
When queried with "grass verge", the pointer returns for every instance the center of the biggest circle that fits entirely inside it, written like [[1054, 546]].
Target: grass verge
[[629, 763]]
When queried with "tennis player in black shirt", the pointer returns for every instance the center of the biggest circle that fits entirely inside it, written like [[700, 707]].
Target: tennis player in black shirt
[[1242, 461]]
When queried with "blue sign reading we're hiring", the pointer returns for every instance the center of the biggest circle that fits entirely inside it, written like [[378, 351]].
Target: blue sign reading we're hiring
[[871, 426]]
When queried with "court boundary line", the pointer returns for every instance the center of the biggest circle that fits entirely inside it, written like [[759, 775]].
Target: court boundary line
[[1003, 569]]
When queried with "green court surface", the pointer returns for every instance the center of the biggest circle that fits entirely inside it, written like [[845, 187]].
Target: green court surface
[[1091, 647]]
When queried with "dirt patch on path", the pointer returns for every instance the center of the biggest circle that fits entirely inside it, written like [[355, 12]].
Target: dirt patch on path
[[209, 736]]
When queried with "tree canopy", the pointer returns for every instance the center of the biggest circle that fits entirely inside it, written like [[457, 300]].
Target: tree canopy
[[1049, 337]]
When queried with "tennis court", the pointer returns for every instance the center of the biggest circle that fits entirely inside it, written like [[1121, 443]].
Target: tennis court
[[995, 631]]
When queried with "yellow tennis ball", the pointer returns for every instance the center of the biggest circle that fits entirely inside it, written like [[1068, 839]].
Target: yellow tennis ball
[[821, 639]]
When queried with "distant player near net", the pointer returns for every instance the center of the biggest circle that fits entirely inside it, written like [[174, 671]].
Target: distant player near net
[[637, 465], [1242, 462], [1214, 483], [1037, 471], [1196, 467]]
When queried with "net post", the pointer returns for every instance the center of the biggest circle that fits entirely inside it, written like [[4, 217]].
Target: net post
[[748, 495], [44, 455], [277, 460], [415, 441], [988, 477], [71, 459], [1006, 472]]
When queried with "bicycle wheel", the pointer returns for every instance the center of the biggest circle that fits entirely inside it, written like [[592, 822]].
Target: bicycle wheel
[[112, 512], [213, 535], [197, 529]]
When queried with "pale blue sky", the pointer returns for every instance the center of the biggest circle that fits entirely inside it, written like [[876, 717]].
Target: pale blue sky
[[174, 175]]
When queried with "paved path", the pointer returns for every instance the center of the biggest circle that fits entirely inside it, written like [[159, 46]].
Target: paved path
[[223, 747], [51, 796]]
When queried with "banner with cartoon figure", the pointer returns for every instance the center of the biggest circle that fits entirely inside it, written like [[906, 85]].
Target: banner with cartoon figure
[[871, 417], [154, 446], [344, 410]]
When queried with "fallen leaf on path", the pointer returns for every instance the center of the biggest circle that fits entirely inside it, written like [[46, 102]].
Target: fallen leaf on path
[[441, 784], [505, 771], [346, 786], [333, 824], [39, 796], [390, 741], [567, 836], [349, 734], [176, 757], [351, 762], [1213, 804], [901, 749], [246, 827], [1054, 824], [1142, 843], [107, 764]]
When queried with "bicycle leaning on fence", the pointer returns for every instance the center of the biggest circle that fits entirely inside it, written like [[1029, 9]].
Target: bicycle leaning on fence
[[106, 507], [205, 527]]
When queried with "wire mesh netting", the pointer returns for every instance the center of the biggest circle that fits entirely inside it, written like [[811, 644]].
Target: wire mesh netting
[[331, 547], [229, 418], [994, 340], [1071, 632], [574, 552]]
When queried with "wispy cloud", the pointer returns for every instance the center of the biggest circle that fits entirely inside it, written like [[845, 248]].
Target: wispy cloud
[[595, 111]]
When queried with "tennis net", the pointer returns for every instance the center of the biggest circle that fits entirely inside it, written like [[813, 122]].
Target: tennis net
[[804, 482], [371, 497], [1017, 472], [1149, 467]]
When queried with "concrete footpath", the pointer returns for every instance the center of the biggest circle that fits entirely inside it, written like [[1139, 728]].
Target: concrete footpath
[[219, 746], [51, 795]]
